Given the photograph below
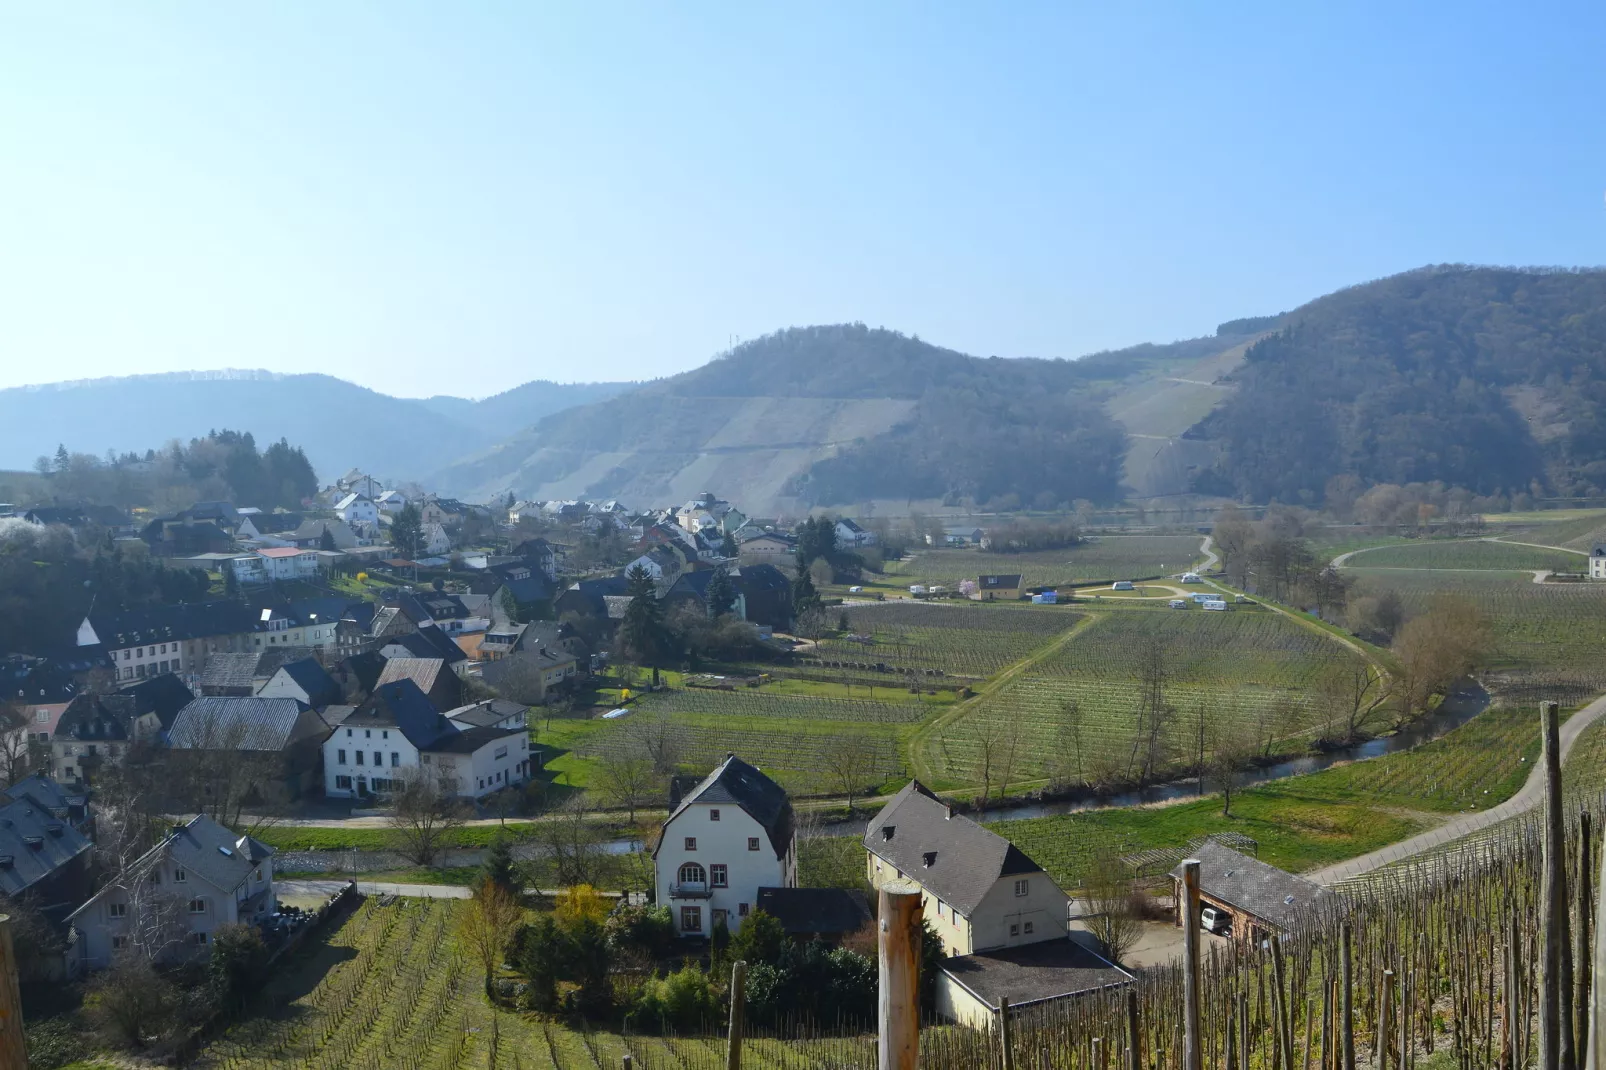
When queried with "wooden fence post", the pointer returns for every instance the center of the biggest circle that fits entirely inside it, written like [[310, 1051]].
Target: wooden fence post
[[13, 1043], [898, 999], [1555, 1038], [1192, 1054], [733, 1039], [1385, 1005], [629, 1062], [1585, 899], [1003, 1033], [1134, 1054], [1346, 1000], [1596, 1059]]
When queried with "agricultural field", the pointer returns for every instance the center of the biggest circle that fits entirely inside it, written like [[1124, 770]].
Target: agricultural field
[[1548, 637], [961, 639], [1102, 557], [1251, 670], [1466, 554], [390, 989]]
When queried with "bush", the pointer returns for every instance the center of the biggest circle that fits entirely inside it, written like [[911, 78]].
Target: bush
[[683, 1002], [235, 964], [55, 1042], [647, 930]]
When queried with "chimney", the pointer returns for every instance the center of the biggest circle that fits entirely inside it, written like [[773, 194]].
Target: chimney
[[887, 831], [930, 858], [948, 813]]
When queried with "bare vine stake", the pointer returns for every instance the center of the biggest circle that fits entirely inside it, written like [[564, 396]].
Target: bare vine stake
[[1346, 1007], [1386, 997], [1003, 1033], [1555, 1036], [1581, 940], [1134, 1060], [1192, 1054]]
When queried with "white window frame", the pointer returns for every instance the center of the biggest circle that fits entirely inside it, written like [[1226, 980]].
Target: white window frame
[[1022, 889]]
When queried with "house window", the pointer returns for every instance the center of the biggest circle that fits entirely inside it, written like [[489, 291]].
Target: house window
[[691, 919], [718, 875], [359, 757], [1028, 928], [179, 876], [1022, 888], [42, 716], [379, 759], [384, 733], [368, 733], [720, 917], [256, 875], [1014, 929], [343, 782], [713, 815], [348, 733], [125, 655], [340, 756], [752, 843], [691, 843], [395, 759], [119, 942], [741, 910], [692, 873], [117, 910], [197, 905], [198, 938]]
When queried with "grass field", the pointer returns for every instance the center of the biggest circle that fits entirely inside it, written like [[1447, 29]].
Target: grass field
[[1249, 666], [1466, 554], [1548, 636], [389, 987], [1104, 557]]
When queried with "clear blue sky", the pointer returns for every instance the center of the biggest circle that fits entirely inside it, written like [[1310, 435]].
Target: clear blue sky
[[457, 198]]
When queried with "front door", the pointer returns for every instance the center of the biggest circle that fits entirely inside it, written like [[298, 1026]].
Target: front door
[[691, 920]]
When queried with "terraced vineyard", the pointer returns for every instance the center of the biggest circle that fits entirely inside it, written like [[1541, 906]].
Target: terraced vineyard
[[1467, 554], [1548, 636], [1249, 667], [962, 639], [389, 990], [1104, 557], [759, 702]]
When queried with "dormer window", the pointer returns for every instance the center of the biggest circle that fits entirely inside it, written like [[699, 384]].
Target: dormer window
[[887, 831], [929, 858], [713, 815]]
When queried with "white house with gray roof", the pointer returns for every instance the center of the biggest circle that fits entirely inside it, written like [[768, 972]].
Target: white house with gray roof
[[730, 836], [982, 892], [175, 896]]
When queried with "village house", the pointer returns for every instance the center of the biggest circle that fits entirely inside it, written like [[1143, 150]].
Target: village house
[[729, 837], [279, 738], [199, 878], [93, 732], [998, 586], [532, 674], [398, 728], [40, 688], [850, 536], [392, 502], [1597, 563], [173, 638], [282, 563], [1002, 920], [432, 675], [303, 680], [44, 855], [767, 546]]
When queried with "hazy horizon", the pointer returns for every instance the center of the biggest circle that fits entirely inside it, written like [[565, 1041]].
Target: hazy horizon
[[457, 201]]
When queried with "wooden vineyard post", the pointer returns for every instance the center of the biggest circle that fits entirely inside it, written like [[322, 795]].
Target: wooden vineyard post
[[733, 1040], [1584, 898], [1555, 1039], [629, 1062], [13, 1044], [1134, 1051], [1385, 1005], [1596, 1058], [1283, 1012], [1346, 1001], [1192, 1055], [898, 1000], [1003, 1034]]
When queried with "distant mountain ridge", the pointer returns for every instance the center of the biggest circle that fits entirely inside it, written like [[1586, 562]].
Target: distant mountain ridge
[[339, 424]]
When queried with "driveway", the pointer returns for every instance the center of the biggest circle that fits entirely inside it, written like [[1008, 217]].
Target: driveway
[[1465, 825], [310, 888]]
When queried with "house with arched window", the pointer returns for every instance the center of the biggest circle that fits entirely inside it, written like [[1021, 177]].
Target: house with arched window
[[729, 836]]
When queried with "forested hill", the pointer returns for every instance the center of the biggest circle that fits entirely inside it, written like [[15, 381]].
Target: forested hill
[[1485, 378], [832, 415]]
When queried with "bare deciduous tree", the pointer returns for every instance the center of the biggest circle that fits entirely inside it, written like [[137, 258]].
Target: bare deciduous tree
[[627, 780], [1154, 712], [851, 764], [1353, 696], [424, 812], [20, 751], [1109, 890], [1231, 753], [571, 842], [1069, 767], [659, 737], [490, 921]]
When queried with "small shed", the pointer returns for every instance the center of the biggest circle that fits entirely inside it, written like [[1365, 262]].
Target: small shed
[[825, 913], [1260, 898], [1030, 976]]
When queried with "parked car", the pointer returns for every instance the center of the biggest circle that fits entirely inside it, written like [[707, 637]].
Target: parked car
[[855, 589], [1178, 603], [1121, 585], [1218, 606], [1214, 920]]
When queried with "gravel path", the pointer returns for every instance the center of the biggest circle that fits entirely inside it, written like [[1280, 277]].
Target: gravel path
[[1466, 824]]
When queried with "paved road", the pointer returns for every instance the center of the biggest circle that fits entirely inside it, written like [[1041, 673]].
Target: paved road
[[1467, 824], [421, 891]]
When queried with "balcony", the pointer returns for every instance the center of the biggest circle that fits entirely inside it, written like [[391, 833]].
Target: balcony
[[690, 890]]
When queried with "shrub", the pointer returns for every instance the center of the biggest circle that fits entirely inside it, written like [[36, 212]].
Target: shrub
[[683, 1002]]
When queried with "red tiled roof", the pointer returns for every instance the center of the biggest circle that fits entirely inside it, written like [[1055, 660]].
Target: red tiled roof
[[281, 551]]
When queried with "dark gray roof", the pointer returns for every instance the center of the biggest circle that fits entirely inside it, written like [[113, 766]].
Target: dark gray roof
[[91, 718], [470, 740], [1250, 885], [487, 713], [429, 642], [966, 860], [34, 843], [207, 850], [803, 911], [230, 670], [996, 581], [227, 722], [163, 695], [1049, 969], [117, 629], [763, 800], [308, 675], [402, 705]]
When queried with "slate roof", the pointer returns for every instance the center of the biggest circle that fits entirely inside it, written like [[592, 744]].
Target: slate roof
[[1031, 973], [274, 523], [366, 668], [806, 911], [159, 624], [73, 518], [1252, 886], [38, 681], [742, 785], [162, 695], [95, 718], [422, 671], [753, 579], [968, 859], [310, 676], [255, 724], [237, 671], [34, 843], [487, 713], [428, 642], [470, 740], [206, 850], [403, 706], [999, 582]]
